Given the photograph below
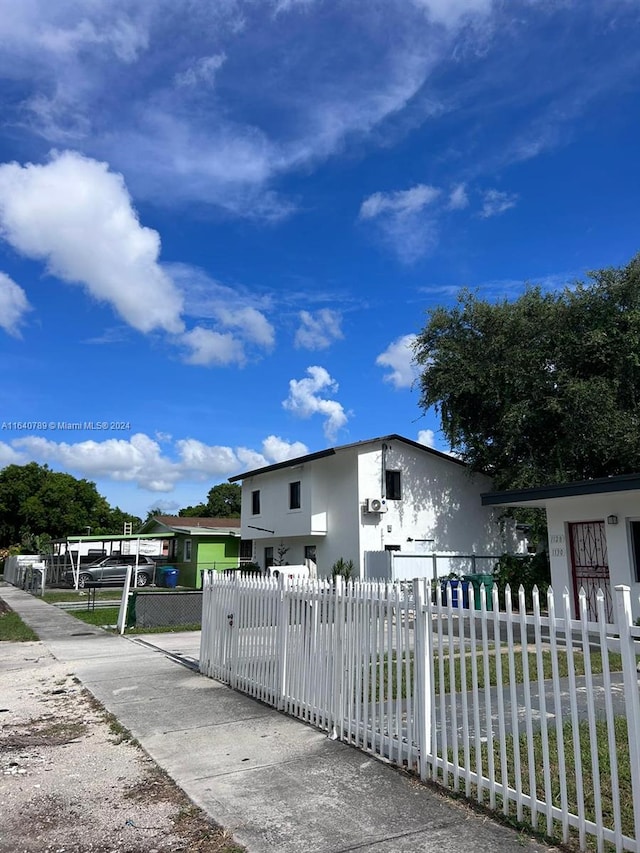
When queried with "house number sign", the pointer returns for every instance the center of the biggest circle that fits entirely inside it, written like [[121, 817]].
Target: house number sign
[[557, 544]]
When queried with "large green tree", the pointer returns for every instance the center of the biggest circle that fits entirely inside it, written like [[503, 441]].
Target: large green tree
[[542, 389], [36, 501], [223, 501]]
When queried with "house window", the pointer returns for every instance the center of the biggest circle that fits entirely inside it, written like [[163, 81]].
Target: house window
[[246, 549], [187, 550], [268, 558], [634, 529], [394, 486], [294, 495], [255, 502]]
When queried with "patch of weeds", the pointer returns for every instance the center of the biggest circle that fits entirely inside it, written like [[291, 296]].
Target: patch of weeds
[[190, 823], [201, 834], [121, 733], [44, 731], [166, 629], [157, 786]]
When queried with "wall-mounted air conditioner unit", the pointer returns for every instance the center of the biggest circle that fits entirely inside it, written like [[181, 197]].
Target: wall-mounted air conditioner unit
[[375, 505]]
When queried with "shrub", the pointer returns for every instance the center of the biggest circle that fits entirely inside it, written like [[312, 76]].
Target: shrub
[[343, 567], [527, 569]]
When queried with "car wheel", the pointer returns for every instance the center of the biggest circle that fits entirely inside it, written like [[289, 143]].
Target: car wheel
[[143, 579], [83, 580]]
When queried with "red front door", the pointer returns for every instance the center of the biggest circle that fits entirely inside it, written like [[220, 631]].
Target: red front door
[[590, 566]]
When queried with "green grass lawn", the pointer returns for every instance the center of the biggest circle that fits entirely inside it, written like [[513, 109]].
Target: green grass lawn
[[108, 616], [574, 771], [55, 596], [12, 628], [615, 665], [101, 616]]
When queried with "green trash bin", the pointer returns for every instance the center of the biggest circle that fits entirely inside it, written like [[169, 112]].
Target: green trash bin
[[478, 581]]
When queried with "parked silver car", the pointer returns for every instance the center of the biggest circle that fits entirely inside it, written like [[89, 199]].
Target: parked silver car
[[113, 570]]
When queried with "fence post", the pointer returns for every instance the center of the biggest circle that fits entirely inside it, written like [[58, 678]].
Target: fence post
[[124, 601], [624, 619], [423, 665], [282, 629], [233, 619], [338, 658]]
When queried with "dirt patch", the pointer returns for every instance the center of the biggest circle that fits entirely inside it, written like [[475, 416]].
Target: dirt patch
[[43, 732], [73, 781]]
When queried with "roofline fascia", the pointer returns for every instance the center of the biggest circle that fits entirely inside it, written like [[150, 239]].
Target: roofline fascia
[[332, 451], [599, 486]]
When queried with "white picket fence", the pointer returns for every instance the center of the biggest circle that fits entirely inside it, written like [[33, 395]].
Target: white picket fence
[[535, 714]]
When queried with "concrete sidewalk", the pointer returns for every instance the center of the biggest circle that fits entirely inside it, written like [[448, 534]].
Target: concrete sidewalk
[[275, 783]]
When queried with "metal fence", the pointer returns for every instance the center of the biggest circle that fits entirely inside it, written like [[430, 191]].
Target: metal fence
[[533, 714], [157, 609]]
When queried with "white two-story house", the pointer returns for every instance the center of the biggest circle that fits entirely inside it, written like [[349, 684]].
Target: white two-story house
[[387, 493]]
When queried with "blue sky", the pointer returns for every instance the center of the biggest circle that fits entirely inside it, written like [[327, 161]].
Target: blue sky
[[222, 223]]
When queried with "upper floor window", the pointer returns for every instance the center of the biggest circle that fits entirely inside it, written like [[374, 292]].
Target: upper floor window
[[394, 486], [294, 495], [634, 529], [255, 502]]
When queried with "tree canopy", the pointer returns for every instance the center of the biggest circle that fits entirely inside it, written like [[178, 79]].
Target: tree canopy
[[542, 389], [223, 501], [36, 501]]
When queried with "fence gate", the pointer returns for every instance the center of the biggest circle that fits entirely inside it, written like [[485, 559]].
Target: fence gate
[[590, 565]]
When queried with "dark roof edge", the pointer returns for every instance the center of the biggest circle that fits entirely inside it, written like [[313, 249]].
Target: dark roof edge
[[601, 485], [299, 460], [331, 451]]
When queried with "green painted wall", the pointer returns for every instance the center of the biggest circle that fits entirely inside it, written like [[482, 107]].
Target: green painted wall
[[206, 553]]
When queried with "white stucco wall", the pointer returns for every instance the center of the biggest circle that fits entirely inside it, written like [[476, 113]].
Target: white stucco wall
[[440, 502], [563, 511]]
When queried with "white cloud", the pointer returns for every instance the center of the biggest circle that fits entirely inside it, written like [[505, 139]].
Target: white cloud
[[276, 449], [208, 347], [407, 219], [140, 459], [172, 127], [206, 459], [202, 71], [450, 12], [10, 456], [252, 323], [318, 330], [399, 202], [458, 198], [427, 437], [14, 305], [304, 400], [76, 215], [496, 202], [399, 357], [233, 308]]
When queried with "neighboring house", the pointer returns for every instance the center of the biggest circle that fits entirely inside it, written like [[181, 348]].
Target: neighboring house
[[196, 544], [387, 493], [594, 535]]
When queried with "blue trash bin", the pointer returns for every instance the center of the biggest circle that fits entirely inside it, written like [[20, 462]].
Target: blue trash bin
[[459, 593], [170, 577]]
